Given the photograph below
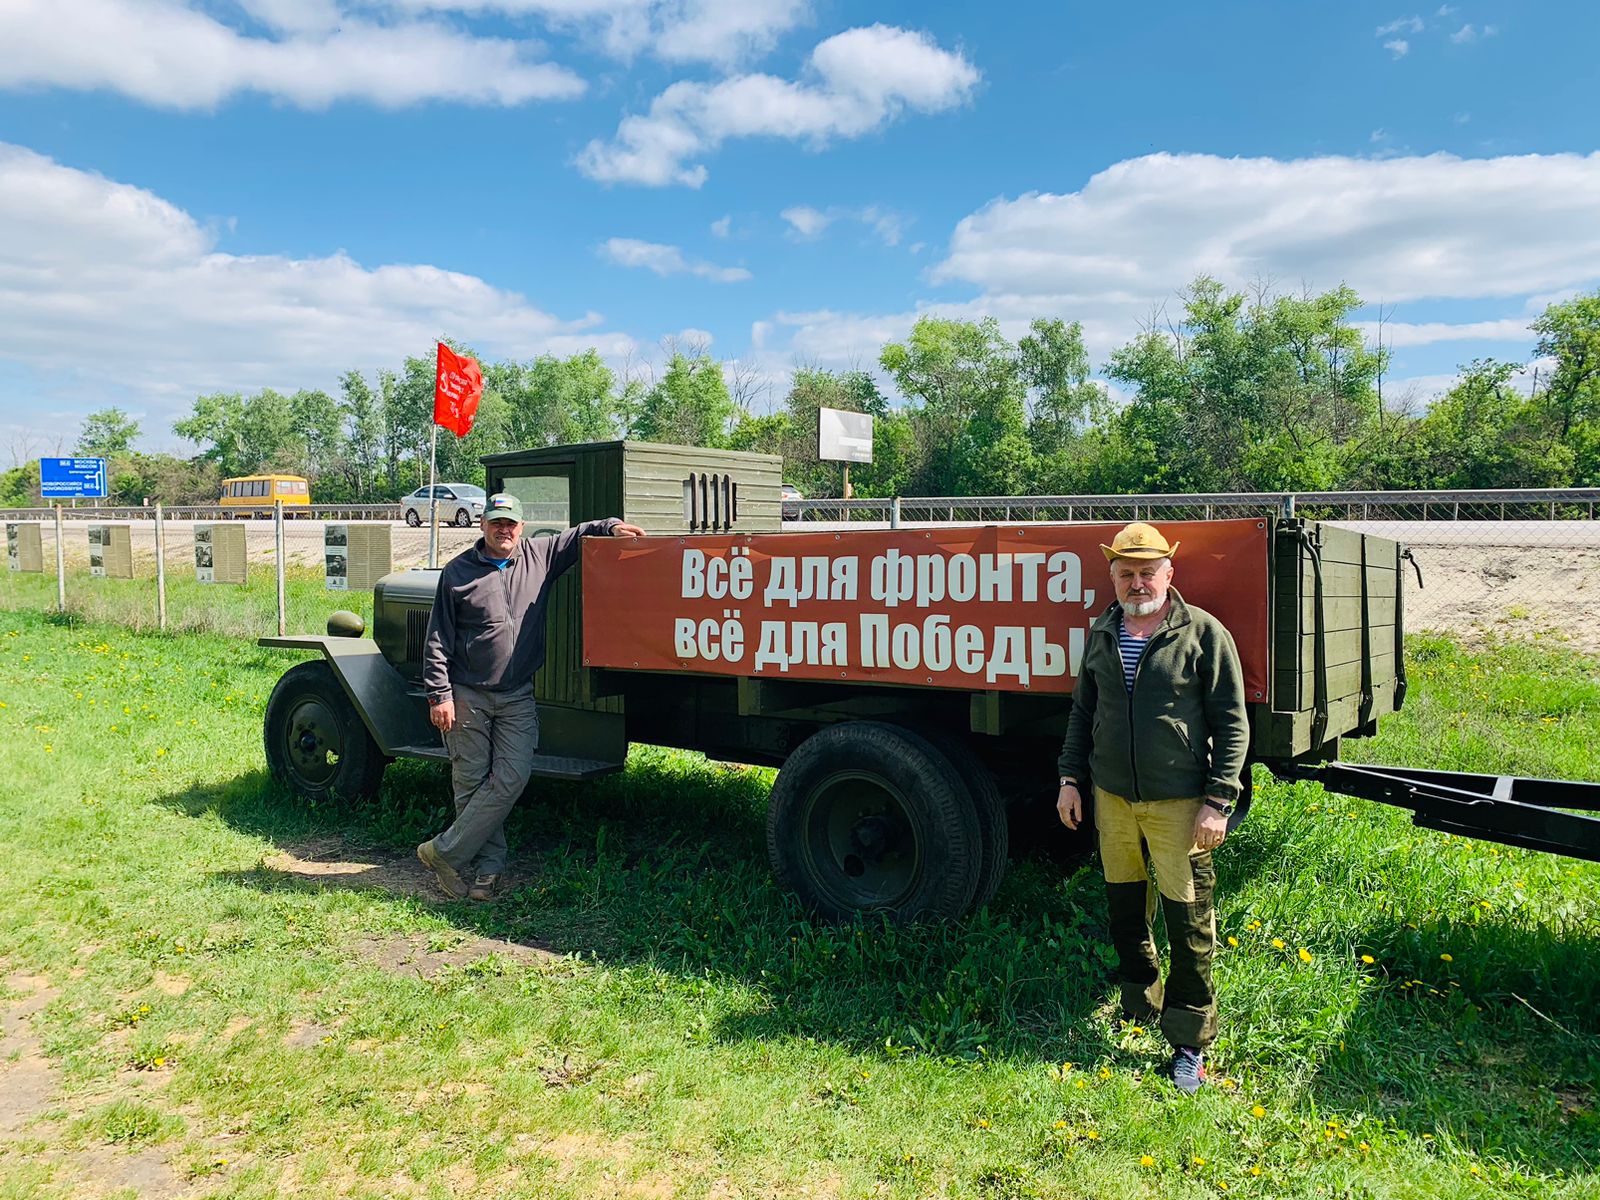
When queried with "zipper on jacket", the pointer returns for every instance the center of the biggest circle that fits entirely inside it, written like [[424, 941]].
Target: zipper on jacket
[[1133, 752]]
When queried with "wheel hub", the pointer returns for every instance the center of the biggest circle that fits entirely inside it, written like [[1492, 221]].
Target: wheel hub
[[315, 741]]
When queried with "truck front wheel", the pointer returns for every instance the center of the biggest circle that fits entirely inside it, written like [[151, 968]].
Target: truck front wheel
[[315, 741], [868, 817]]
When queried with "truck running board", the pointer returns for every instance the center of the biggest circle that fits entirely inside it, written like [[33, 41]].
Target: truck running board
[[552, 766], [1496, 808]]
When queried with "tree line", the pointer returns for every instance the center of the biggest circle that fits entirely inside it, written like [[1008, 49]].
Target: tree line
[[1243, 391]]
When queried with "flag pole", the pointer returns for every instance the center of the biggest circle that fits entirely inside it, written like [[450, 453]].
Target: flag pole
[[433, 501]]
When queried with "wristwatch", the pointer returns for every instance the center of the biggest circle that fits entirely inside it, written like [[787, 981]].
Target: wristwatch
[[1067, 781], [1226, 809]]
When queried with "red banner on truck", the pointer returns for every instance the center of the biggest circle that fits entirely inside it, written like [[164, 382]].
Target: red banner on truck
[[992, 608]]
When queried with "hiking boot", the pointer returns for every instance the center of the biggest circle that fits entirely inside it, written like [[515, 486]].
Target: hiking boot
[[483, 888], [1188, 1070], [447, 875]]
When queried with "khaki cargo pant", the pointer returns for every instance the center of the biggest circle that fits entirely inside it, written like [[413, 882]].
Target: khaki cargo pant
[[491, 756], [1159, 834]]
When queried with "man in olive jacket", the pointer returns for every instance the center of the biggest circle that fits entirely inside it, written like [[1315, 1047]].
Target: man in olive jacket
[[484, 645], [1158, 725]]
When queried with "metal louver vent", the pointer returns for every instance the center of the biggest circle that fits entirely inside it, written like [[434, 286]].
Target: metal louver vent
[[710, 502], [416, 633]]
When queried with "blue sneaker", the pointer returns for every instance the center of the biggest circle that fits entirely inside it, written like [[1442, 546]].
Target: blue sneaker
[[1188, 1070]]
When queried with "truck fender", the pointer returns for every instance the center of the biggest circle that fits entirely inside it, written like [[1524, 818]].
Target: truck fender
[[395, 715]]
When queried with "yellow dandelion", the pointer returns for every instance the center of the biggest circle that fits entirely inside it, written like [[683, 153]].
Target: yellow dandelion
[[1368, 959], [1105, 1072], [866, 1074], [1223, 1184], [983, 1122], [1092, 1134], [1059, 1125], [1082, 1083], [1255, 1170], [1065, 1067], [1277, 943], [1363, 1147], [1232, 941], [159, 1061], [1305, 955], [1135, 1028], [1447, 958], [1258, 1111], [1473, 1170], [1146, 1160], [1198, 1161]]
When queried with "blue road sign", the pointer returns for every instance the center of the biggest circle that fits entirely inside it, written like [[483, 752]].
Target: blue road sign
[[72, 478]]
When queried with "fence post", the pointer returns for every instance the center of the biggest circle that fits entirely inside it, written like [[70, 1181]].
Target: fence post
[[161, 569], [277, 533], [894, 513], [1288, 507], [61, 562]]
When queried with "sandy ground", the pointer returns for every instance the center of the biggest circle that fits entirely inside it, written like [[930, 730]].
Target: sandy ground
[[1481, 592]]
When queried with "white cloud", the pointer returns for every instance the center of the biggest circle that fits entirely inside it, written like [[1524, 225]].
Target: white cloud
[[807, 222], [1402, 25], [1401, 334], [856, 82], [678, 31], [1444, 11], [107, 286], [666, 260], [1395, 229], [1471, 33], [172, 56], [1400, 231], [722, 226], [1399, 47]]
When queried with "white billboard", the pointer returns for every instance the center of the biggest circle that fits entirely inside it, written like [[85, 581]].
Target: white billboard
[[844, 436]]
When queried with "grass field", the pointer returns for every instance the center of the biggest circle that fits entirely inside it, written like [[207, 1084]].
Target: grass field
[[214, 990]]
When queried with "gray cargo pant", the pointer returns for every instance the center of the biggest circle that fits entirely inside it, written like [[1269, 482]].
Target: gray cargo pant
[[491, 756]]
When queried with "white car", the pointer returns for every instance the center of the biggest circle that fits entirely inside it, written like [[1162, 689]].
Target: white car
[[459, 504]]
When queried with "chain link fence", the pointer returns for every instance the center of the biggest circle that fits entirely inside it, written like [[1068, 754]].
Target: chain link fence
[[1493, 563], [202, 569]]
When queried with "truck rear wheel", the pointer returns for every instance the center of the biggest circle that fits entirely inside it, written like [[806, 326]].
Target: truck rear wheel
[[315, 740], [994, 834], [868, 817]]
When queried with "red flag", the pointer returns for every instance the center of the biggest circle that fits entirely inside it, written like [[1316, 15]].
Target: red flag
[[456, 391]]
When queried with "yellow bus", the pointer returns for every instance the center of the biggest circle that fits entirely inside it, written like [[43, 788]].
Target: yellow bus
[[249, 495]]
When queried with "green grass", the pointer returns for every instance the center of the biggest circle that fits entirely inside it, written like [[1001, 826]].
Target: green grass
[[695, 1029]]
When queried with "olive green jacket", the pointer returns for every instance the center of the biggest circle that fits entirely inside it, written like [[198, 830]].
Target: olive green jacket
[[1181, 733]]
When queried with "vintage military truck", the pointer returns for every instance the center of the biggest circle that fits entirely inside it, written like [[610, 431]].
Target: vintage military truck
[[911, 685]]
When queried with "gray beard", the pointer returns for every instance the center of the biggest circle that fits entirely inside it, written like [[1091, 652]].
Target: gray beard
[[1143, 608]]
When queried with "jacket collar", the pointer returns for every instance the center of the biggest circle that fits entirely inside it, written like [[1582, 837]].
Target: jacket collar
[[1177, 614]]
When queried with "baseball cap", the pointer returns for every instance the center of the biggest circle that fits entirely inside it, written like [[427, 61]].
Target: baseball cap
[[502, 506], [1138, 540]]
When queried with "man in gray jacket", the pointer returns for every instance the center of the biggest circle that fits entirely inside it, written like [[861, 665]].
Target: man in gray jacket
[[1158, 723], [484, 646]]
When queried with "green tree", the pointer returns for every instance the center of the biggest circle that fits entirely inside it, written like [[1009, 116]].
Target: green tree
[[1484, 433], [810, 391], [964, 384], [1244, 396], [1569, 333], [689, 405], [106, 432]]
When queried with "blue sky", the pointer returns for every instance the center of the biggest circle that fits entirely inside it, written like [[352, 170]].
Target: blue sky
[[204, 195]]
